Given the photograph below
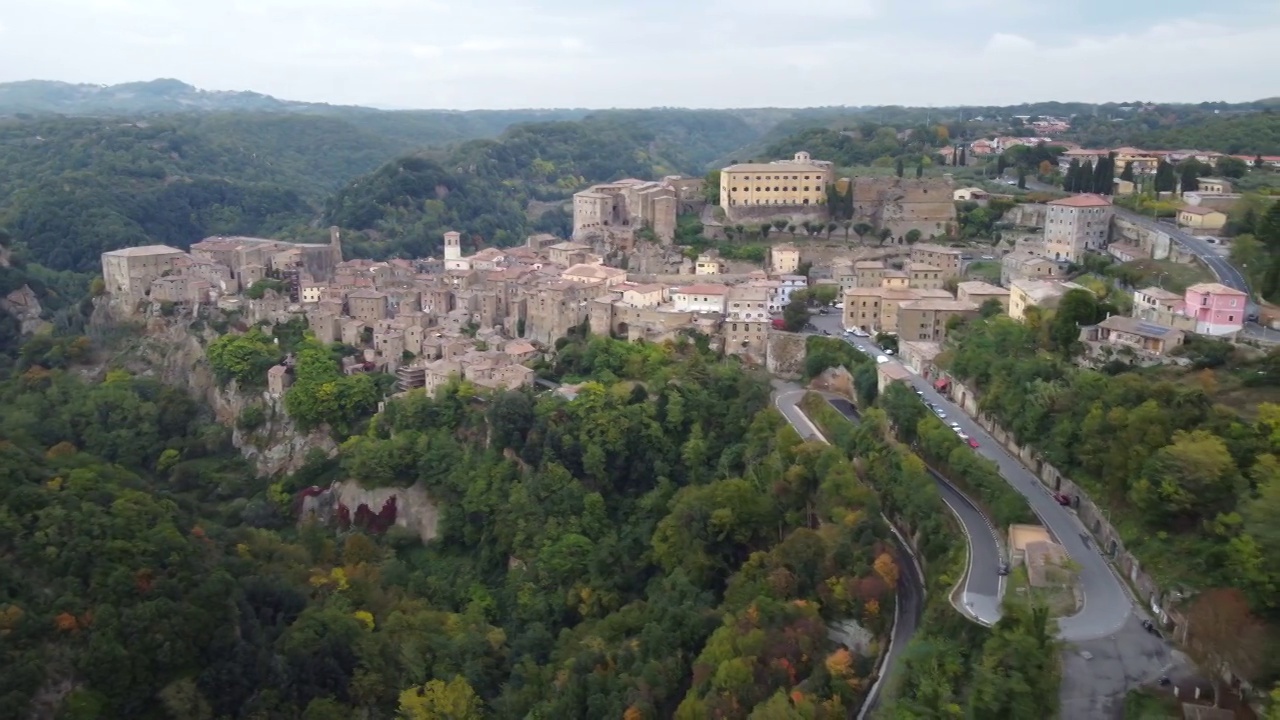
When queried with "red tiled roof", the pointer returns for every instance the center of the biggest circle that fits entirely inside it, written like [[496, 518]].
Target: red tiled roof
[[1084, 200]]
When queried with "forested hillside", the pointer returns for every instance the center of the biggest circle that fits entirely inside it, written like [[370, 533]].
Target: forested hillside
[[73, 188], [483, 187], [664, 545], [1251, 133]]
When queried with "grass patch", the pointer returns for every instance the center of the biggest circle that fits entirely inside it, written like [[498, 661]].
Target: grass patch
[[1149, 705], [988, 270], [1060, 599], [1172, 276]]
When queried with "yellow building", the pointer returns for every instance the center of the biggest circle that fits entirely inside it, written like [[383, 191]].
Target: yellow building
[[1215, 186], [783, 184], [1143, 162], [1199, 217], [1040, 293], [925, 277], [708, 263], [784, 259]]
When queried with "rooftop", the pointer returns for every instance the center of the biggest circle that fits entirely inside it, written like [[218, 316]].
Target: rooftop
[[1199, 210], [781, 166], [978, 287], [1135, 326], [1160, 293], [1084, 200], [940, 304], [1213, 288], [707, 289], [143, 251]]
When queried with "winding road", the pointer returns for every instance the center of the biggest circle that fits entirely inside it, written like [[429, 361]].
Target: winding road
[[1107, 604], [1210, 255], [909, 603]]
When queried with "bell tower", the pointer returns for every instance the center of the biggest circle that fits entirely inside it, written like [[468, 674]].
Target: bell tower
[[452, 245]]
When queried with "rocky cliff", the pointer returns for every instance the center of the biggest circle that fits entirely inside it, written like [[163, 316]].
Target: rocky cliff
[[172, 350], [24, 306]]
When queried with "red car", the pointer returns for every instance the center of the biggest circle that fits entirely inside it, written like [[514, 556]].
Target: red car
[[973, 443]]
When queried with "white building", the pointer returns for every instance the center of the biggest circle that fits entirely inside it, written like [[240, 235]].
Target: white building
[[790, 284], [700, 298]]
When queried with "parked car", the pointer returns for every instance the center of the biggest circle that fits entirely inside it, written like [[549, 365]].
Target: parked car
[[973, 443], [822, 311], [881, 359], [826, 332], [939, 412], [1062, 499], [1003, 569]]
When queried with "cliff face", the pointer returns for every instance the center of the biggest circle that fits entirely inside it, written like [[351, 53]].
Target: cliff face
[[171, 350], [24, 306]]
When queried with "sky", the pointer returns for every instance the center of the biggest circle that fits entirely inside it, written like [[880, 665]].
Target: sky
[[470, 54]]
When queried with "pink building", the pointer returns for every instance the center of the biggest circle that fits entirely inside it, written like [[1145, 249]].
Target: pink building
[[1218, 309]]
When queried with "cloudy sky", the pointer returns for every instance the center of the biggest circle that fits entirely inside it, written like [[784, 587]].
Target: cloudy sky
[[646, 53]]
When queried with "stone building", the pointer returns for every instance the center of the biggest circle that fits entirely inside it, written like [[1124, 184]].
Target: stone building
[[1023, 265], [978, 292], [620, 208], [1076, 224], [926, 320], [876, 309], [925, 277], [776, 188], [946, 259], [129, 272], [367, 306], [901, 205]]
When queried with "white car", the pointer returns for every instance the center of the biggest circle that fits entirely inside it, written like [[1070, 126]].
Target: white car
[[881, 359]]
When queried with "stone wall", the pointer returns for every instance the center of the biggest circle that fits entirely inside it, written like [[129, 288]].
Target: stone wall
[[1026, 215], [785, 354], [1156, 243], [1160, 601], [756, 214]]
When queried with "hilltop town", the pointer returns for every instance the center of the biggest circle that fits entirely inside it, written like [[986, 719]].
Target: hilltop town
[[484, 316]]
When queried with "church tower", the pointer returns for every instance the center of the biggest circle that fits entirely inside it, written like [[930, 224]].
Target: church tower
[[452, 246]]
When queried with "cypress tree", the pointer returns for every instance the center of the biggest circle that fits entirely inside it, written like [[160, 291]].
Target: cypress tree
[[1085, 181], [920, 169], [898, 167], [964, 158], [1072, 182]]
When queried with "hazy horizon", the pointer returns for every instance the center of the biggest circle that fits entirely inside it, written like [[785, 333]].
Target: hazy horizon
[[712, 54]]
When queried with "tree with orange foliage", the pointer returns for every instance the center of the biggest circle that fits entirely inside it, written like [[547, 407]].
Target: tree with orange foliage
[[1222, 633], [66, 622], [887, 569], [839, 663]]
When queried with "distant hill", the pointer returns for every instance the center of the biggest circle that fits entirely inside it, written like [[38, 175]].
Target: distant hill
[[154, 96], [168, 97]]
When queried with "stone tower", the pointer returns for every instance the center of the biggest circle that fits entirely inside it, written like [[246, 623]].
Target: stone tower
[[452, 245], [335, 243]]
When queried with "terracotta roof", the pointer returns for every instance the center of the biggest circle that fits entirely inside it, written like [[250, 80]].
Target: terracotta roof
[[1084, 200], [1214, 288]]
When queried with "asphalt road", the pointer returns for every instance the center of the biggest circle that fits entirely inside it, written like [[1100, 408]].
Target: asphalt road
[[1222, 268], [983, 586], [909, 603], [1107, 604]]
